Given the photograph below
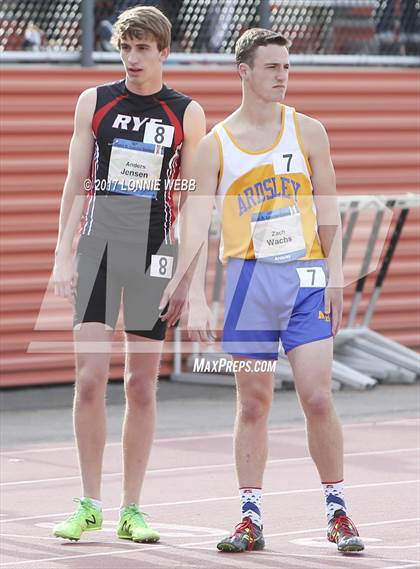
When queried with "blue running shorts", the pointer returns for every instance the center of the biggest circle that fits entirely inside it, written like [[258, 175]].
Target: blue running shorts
[[266, 303]]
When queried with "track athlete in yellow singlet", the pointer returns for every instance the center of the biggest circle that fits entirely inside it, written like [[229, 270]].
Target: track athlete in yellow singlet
[[270, 170]]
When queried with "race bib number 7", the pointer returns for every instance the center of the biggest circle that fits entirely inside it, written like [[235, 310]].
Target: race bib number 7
[[311, 277]]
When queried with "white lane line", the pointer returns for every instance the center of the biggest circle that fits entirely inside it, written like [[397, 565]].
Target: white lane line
[[195, 558], [24, 537], [85, 555], [320, 543], [408, 422], [203, 543], [411, 566], [220, 499], [358, 558], [209, 466]]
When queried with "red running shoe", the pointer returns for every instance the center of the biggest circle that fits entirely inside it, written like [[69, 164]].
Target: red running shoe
[[343, 532], [246, 537]]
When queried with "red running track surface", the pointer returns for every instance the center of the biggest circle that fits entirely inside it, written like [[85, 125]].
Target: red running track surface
[[190, 494]]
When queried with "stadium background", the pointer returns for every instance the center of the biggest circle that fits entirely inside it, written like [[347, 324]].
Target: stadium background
[[355, 69]]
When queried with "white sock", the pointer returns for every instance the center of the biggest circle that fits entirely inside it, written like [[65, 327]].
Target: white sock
[[251, 499], [96, 503], [334, 498]]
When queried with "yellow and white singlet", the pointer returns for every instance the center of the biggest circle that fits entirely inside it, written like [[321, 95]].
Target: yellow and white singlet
[[265, 197]]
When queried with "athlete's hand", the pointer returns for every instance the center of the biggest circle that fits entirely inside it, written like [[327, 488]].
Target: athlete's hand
[[173, 298], [200, 321], [64, 276], [333, 297]]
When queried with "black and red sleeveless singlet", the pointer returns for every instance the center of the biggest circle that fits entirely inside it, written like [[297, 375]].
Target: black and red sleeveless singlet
[[135, 162]]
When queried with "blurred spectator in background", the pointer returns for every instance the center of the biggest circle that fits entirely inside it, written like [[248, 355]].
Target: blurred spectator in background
[[32, 38], [221, 24], [107, 12], [398, 28], [104, 34]]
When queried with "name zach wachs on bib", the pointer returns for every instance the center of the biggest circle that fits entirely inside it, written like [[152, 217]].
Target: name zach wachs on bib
[[266, 198]]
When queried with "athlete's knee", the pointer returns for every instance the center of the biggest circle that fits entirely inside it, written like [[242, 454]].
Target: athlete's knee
[[254, 409], [140, 389], [317, 403], [90, 385]]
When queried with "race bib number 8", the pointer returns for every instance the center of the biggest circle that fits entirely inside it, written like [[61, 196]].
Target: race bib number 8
[[158, 133], [161, 266]]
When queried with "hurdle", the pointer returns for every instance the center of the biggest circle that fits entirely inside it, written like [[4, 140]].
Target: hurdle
[[359, 346], [359, 360]]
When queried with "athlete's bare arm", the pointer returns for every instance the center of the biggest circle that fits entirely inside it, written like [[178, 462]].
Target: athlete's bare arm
[[194, 127], [315, 141], [194, 130], [80, 156], [197, 212]]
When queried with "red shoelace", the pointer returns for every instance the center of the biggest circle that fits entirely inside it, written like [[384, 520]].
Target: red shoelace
[[344, 525], [242, 527]]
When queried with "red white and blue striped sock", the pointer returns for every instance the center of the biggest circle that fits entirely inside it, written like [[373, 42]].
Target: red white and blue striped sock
[[251, 499], [334, 498]]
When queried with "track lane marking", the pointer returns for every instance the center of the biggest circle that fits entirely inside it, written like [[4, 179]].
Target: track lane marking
[[219, 499], [408, 422], [197, 544], [208, 466]]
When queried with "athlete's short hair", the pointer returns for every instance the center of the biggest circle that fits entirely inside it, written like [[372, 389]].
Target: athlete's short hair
[[252, 39], [141, 22]]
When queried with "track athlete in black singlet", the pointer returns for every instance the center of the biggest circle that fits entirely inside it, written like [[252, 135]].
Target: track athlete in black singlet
[[127, 237], [132, 147]]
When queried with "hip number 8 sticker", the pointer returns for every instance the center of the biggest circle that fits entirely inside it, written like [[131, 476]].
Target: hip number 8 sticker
[[161, 266]]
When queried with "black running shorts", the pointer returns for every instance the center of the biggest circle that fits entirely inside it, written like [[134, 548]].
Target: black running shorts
[[113, 271]]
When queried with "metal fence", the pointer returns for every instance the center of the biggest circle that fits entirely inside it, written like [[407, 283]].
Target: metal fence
[[332, 27]]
